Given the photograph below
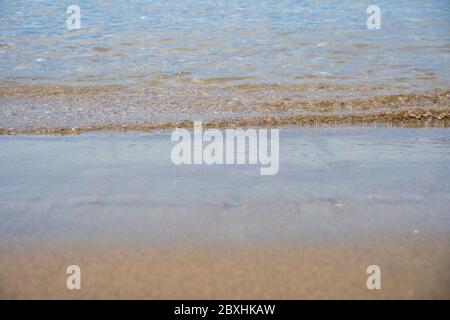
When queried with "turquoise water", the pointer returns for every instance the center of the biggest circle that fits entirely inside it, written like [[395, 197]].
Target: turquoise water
[[246, 41]]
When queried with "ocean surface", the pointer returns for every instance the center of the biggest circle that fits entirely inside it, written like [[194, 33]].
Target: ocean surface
[[159, 62]]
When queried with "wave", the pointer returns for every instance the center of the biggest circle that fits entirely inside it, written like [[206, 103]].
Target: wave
[[67, 117]]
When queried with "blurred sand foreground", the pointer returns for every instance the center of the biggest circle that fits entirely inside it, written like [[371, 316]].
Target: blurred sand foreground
[[140, 227], [409, 270]]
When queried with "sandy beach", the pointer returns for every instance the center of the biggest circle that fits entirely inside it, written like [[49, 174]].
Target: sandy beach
[[105, 106], [141, 227]]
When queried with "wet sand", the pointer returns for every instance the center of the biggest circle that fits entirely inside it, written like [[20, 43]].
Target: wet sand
[[412, 268], [140, 227]]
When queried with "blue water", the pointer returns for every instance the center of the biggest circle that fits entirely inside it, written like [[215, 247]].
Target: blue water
[[198, 41]]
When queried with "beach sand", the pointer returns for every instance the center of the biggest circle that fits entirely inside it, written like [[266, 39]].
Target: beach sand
[[141, 227]]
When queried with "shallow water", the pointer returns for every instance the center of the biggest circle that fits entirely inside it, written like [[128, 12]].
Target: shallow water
[[163, 61], [333, 184], [204, 42]]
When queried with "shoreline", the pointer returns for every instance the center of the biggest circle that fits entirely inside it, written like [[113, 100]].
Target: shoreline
[[416, 118], [65, 114]]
